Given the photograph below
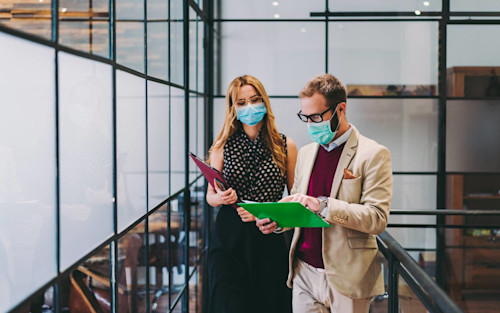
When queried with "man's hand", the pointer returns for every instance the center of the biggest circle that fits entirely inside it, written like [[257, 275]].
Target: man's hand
[[266, 226], [311, 203]]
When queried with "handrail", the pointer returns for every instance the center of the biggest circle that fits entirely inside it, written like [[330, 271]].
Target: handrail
[[427, 290], [445, 212]]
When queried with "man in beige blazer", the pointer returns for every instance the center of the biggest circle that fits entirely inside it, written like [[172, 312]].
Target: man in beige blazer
[[347, 179]]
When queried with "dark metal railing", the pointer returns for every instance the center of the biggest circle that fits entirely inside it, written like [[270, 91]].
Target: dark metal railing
[[400, 263]]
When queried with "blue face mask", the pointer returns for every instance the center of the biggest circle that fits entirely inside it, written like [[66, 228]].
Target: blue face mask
[[251, 114], [322, 132]]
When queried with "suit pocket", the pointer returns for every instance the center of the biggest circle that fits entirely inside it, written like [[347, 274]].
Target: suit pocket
[[367, 242], [350, 190]]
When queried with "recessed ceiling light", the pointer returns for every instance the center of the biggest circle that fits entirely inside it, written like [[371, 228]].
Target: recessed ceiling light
[[302, 30], [64, 10], [40, 1], [417, 12], [427, 3], [276, 15], [275, 3]]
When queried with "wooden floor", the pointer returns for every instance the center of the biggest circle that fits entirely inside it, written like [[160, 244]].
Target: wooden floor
[[415, 306]]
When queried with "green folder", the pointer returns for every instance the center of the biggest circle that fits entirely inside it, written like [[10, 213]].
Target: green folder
[[285, 214]]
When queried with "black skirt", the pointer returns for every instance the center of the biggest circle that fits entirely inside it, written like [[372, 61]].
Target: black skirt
[[247, 270]]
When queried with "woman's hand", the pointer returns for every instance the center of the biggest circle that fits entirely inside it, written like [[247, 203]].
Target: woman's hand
[[224, 196], [245, 215]]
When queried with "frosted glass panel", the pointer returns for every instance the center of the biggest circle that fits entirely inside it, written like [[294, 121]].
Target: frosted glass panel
[[384, 5], [407, 127], [414, 192], [86, 158], [270, 9], [474, 6], [404, 54], [129, 9], [283, 56], [472, 129], [178, 142], [27, 169], [473, 45], [130, 147], [158, 143]]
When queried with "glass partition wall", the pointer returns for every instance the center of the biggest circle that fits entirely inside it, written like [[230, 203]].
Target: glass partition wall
[[423, 79], [100, 210]]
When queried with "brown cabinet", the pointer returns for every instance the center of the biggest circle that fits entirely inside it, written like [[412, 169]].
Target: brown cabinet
[[473, 81], [473, 254]]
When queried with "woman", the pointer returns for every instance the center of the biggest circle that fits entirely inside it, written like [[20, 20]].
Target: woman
[[248, 270]]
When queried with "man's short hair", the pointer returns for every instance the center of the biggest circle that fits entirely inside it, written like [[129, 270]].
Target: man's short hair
[[327, 85]]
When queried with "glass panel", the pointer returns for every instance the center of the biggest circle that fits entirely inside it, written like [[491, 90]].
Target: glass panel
[[407, 127], [384, 5], [83, 25], [86, 159], [270, 9], [269, 56], [158, 50], [88, 286], [194, 125], [385, 58], [31, 17], [157, 9], [475, 6], [132, 270], [130, 147], [42, 302], [159, 258], [195, 291], [470, 127], [472, 254], [27, 169], [193, 50], [178, 247], [201, 57], [178, 142], [129, 9], [130, 45], [473, 68], [176, 43], [158, 143], [408, 300]]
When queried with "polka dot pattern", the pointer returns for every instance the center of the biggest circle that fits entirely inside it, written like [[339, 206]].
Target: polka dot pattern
[[250, 170]]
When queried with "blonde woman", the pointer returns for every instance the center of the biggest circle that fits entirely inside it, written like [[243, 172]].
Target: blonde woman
[[248, 270]]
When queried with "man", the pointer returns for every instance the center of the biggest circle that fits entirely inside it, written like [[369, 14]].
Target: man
[[347, 179]]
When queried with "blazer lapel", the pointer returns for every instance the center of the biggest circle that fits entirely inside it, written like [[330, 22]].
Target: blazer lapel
[[346, 157], [310, 159]]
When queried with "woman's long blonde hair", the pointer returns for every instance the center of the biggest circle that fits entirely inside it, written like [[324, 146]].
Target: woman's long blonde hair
[[270, 134]]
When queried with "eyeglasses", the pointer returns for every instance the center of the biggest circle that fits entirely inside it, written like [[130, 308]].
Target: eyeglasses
[[253, 100], [315, 118]]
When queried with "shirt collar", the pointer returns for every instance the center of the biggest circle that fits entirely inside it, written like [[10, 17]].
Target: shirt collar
[[339, 141]]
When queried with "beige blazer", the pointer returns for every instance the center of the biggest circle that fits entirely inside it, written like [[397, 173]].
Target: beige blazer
[[358, 209]]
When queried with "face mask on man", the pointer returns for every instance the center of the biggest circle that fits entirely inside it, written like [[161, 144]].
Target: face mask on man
[[322, 132], [251, 114]]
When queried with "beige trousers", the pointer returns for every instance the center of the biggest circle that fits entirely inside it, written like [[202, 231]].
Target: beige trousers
[[312, 293]]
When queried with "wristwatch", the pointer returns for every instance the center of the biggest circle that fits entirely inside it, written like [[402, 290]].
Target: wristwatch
[[323, 203]]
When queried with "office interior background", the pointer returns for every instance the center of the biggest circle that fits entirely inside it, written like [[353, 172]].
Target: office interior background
[[101, 101]]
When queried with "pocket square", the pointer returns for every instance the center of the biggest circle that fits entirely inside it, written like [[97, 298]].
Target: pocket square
[[348, 174]]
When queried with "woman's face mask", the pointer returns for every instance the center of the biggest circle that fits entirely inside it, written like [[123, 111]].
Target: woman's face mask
[[251, 114]]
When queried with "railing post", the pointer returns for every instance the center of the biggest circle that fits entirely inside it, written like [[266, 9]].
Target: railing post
[[393, 285]]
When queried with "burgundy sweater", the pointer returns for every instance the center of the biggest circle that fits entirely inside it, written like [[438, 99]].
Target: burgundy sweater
[[320, 184]]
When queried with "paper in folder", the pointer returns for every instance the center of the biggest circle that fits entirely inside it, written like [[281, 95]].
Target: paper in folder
[[285, 214]]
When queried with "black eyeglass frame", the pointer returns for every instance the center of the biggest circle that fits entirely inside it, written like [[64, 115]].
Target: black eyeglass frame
[[304, 117]]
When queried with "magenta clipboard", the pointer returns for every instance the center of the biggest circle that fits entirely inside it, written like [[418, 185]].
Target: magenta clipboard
[[210, 174]]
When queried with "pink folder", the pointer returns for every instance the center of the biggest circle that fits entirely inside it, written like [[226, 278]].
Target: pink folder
[[210, 174]]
